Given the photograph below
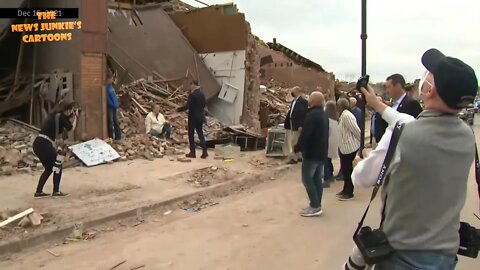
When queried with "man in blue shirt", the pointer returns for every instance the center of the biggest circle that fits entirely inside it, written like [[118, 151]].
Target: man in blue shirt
[[114, 131]]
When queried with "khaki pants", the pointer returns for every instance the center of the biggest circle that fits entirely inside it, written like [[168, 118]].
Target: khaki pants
[[292, 139]]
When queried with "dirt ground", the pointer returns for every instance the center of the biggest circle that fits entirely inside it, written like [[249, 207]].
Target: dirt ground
[[107, 189], [258, 228]]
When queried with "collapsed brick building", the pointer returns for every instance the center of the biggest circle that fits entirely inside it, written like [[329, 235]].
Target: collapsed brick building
[[282, 64]]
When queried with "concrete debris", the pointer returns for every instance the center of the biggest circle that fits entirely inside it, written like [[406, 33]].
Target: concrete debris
[[33, 220]]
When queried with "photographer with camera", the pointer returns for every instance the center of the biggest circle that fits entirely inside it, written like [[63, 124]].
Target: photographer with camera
[[425, 172], [47, 146]]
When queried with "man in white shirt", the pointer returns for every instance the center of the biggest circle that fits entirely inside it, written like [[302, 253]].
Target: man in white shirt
[[156, 125]]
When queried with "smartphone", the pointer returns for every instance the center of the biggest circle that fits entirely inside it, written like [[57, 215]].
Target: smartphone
[[362, 82]]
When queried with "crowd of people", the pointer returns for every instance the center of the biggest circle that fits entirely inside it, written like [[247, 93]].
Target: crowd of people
[[343, 123], [426, 173]]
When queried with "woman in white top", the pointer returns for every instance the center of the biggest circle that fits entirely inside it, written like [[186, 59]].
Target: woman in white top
[[331, 111], [349, 134]]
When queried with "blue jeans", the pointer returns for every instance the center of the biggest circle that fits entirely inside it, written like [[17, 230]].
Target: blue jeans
[[166, 132], [114, 131], [312, 175], [414, 260]]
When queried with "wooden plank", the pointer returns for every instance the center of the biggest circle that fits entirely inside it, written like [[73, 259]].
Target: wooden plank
[[16, 217], [144, 111]]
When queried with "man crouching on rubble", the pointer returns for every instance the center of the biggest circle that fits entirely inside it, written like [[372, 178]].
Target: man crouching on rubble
[[156, 125], [313, 143], [426, 183]]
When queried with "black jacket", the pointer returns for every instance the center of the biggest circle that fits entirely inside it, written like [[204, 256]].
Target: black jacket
[[313, 140], [298, 114], [408, 105], [380, 127], [196, 107]]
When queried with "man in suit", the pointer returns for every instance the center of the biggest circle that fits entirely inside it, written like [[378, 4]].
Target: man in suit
[[294, 122], [401, 102], [377, 128], [196, 118]]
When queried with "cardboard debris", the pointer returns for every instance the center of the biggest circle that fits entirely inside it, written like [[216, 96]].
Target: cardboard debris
[[94, 152]]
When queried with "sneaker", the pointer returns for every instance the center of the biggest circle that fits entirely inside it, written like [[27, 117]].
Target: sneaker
[[345, 197], [311, 212], [339, 194], [204, 156], [326, 184], [40, 195], [59, 194], [190, 155], [292, 162]]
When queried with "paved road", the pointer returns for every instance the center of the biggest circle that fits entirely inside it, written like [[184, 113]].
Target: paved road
[[256, 229]]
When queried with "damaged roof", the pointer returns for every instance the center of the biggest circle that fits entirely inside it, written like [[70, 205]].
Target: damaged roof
[[297, 58]]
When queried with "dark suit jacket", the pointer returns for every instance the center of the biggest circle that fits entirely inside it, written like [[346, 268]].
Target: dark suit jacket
[[313, 140], [298, 114], [196, 107], [408, 105]]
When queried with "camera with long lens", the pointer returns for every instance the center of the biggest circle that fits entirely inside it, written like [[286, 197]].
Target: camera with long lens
[[355, 261], [469, 240]]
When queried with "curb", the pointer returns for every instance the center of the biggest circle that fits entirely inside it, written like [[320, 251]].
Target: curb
[[218, 190]]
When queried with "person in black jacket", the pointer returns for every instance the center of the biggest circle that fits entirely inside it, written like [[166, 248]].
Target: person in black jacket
[[294, 122], [377, 127], [401, 102], [196, 118], [313, 143], [45, 146]]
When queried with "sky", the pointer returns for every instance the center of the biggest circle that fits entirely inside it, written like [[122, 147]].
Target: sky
[[399, 32]]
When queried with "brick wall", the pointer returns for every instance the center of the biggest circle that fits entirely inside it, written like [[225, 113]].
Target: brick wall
[[284, 69]]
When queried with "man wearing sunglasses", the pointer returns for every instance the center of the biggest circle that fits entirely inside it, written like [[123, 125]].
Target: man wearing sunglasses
[[426, 184]]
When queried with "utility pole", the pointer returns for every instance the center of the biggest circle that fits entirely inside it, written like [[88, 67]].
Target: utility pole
[[364, 72]]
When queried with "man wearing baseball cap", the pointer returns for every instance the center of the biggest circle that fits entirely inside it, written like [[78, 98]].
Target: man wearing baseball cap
[[426, 184]]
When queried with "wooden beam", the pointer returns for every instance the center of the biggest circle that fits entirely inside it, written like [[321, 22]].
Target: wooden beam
[[16, 217]]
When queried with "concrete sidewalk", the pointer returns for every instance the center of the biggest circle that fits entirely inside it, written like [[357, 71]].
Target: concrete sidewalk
[[105, 190]]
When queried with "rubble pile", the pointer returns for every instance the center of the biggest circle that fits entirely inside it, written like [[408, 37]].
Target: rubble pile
[[137, 99], [16, 153], [277, 101]]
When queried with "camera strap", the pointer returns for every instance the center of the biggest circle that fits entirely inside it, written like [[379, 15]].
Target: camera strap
[[477, 170], [397, 131]]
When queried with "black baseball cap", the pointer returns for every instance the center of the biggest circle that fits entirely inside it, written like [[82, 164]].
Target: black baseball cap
[[455, 81]]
